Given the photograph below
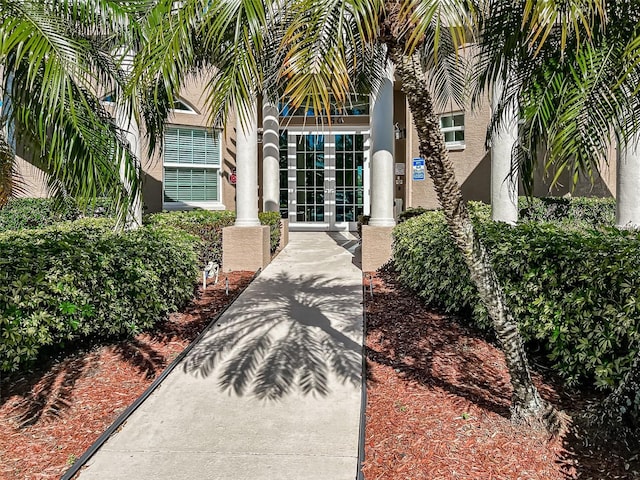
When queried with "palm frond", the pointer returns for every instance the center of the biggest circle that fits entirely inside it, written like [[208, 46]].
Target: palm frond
[[329, 48], [434, 20], [59, 56]]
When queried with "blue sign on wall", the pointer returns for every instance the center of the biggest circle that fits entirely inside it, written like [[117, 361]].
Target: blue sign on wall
[[418, 169]]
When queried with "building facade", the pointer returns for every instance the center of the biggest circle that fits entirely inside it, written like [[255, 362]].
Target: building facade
[[320, 174]]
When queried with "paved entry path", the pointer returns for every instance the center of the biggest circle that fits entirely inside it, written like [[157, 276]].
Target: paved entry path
[[273, 391]]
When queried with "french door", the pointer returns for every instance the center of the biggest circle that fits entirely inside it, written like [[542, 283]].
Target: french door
[[324, 179]]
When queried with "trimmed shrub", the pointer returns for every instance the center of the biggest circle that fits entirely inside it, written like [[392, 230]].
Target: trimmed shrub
[[208, 225], [578, 210], [272, 220], [204, 224], [81, 280], [410, 213], [573, 290], [21, 213]]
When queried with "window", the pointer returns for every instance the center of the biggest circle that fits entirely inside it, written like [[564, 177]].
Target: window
[[191, 167], [111, 98], [452, 126], [284, 174], [182, 107], [356, 105]]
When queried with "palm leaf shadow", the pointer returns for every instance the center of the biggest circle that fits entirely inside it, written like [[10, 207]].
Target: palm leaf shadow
[[288, 334]]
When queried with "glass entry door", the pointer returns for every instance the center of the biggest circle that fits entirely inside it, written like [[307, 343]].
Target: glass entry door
[[327, 179], [311, 182], [349, 177]]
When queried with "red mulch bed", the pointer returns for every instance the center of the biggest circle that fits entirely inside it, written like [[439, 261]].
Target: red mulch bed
[[438, 400], [50, 416], [438, 406]]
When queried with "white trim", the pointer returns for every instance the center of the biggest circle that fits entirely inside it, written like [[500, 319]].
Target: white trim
[[206, 205], [456, 144], [191, 109], [191, 165], [192, 205], [455, 147]]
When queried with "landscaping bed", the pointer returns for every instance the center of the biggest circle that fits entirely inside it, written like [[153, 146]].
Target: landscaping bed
[[438, 405], [438, 399], [52, 414]]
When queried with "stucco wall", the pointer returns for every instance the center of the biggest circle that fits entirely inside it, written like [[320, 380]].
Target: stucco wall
[[194, 95], [472, 164], [473, 169]]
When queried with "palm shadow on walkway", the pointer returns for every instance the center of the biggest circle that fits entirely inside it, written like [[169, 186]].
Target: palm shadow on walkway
[[288, 334]]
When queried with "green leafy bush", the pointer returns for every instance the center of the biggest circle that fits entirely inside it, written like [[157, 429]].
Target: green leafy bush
[[578, 210], [81, 280], [208, 225], [272, 220], [410, 213], [204, 224], [573, 290], [41, 212]]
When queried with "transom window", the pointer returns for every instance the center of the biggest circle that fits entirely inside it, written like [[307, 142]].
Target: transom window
[[179, 105], [452, 126], [191, 166], [356, 105], [182, 107]]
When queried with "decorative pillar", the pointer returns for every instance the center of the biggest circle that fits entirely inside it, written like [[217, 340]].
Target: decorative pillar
[[245, 246], [134, 214], [628, 184], [128, 123], [504, 176], [382, 143], [270, 158], [376, 237], [247, 171]]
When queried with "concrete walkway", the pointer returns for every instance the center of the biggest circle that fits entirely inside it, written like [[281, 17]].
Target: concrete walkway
[[273, 391]]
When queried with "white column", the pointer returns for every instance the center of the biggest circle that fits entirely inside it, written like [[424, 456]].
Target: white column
[[504, 179], [130, 125], [247, 171], [628, 184], [134, 214], [382, 143], [270, 158]]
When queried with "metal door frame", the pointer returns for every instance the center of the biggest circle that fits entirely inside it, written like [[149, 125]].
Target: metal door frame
[[329, 223]]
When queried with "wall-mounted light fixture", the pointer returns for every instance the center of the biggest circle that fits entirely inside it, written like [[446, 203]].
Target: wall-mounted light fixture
[[400, 133]]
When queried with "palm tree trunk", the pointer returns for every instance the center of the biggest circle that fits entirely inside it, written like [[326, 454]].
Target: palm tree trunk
[[526, 403]]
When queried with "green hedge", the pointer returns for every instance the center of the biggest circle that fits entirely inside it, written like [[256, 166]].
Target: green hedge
[[208, 225], [78, 280], [22, 213], [582, 211], [578, 210], [204, 224], [272, 220], [573, 290]]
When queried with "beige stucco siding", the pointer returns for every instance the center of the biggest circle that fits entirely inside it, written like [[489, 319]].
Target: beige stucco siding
[[194, 95], [472, 163]]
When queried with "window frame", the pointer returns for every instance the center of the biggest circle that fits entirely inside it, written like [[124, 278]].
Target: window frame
[[216, 204], [456, 144]]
